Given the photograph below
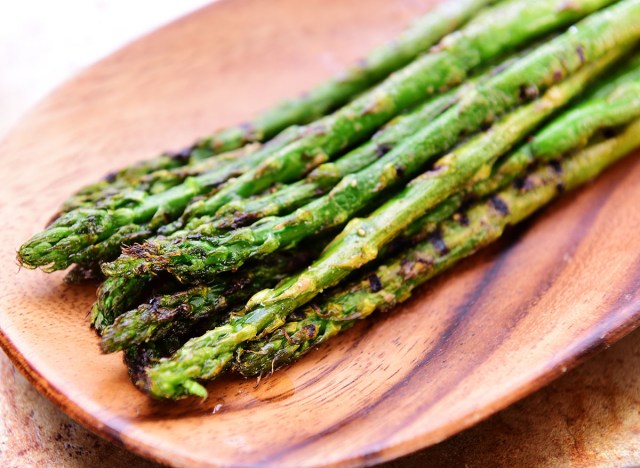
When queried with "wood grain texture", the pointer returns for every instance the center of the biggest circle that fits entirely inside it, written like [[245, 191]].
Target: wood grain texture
[[587, 418], [472, 342]]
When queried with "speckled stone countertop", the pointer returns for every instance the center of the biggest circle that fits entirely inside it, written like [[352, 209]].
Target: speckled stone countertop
[[589, 417]]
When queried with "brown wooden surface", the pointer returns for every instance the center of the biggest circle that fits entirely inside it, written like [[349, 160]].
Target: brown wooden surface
[[466, 347], [587, 418]]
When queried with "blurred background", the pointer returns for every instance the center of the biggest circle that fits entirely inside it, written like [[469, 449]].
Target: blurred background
[[43, 43], [590, 417]]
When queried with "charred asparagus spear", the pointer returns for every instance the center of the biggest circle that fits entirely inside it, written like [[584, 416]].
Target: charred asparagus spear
[[128, 182], [499, 29], [195, 259], [115, 296], [611, 106], [375, 67], [394, 281], [168, 314]]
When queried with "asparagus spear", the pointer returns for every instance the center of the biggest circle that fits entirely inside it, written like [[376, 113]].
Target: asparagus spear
[[128, 182], [482, 39], [115, 296], [65, 241], [168, 314], [124, 178], [195, 259], [244, 211], [574, 129], [393, 282], [359, 243]]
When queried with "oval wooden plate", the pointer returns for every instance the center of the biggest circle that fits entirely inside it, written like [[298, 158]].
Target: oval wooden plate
[[475, 340]]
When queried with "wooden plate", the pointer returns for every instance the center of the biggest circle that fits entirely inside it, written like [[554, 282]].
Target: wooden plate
[[475, 340]]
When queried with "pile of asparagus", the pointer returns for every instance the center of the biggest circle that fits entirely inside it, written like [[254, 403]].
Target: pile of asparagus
[[262, 241]]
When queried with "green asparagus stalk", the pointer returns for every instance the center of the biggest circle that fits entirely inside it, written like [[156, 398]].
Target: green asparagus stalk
[[205, 357], [482, 39], [128, 183], [487, 36], [321, 179], [394, 281], [196, 259], [115, 296], [314, 104], [113, 182], [167, 314], [162, 315], [627, 70], [574, 129]]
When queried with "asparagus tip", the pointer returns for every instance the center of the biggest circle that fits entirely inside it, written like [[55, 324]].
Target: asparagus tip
[[171, 388]]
